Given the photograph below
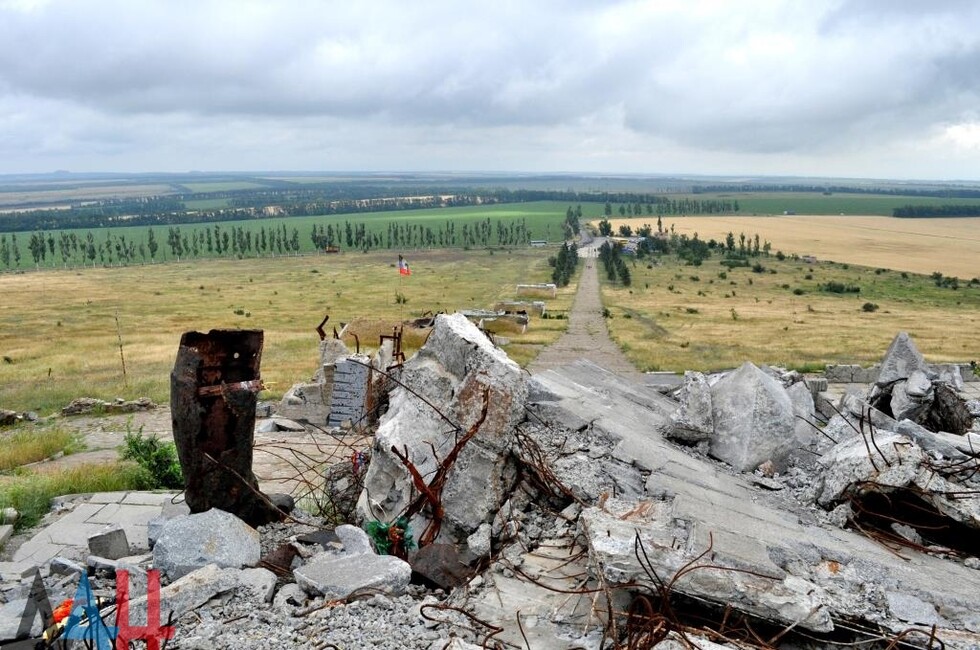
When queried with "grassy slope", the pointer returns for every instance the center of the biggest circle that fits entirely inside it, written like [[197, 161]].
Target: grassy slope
[[58, 327], [669, 320]]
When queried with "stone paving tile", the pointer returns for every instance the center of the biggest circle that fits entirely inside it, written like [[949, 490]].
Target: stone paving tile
[[37, 551], [148, 498], [117, 513], [107, 497]]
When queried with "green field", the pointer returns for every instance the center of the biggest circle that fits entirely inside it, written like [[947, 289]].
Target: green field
[[543, 220], [815, 203], [206, 204], [222, 186]]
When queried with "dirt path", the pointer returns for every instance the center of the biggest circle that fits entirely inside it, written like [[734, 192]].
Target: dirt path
[[587, 336]]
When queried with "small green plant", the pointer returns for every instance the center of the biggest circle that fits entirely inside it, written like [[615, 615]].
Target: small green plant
[[156, 457], [400, 298], [691, 310], [734, 314], [798, 292], [869, 307]]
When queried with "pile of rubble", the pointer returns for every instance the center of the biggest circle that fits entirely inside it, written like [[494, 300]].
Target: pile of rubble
[[577, 509]]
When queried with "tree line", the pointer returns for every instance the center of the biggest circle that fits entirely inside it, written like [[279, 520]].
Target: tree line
[[70, 249], [934, 211]]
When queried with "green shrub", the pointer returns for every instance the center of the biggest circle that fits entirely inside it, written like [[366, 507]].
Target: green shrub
[[156, 457], [869, 307]]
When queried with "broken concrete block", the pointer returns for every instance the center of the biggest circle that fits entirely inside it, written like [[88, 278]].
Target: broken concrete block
[[459, 372], [906, 406], [260, 582], [441, 565], [336, 576], [890, 460], [217, 537], [753, 419], [110, 543], [355, 540], [615, 532], [950, 374], [919, 385], [6, 532], [65, 567], [188, 593], [693, 420], [478, 544], [803, 411], [900, 361]]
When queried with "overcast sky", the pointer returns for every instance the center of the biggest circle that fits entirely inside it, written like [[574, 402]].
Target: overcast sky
[[860, 88]]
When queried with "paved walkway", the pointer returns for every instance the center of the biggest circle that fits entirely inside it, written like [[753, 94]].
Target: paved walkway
[[587, 336], [66, 530]]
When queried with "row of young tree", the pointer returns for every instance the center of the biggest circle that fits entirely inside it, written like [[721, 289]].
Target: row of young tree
[[69, 249], [612, 260], [483, 233], [663, 205], [564, 264]]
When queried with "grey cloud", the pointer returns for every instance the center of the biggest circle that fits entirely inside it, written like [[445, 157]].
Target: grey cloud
[[765, 77]]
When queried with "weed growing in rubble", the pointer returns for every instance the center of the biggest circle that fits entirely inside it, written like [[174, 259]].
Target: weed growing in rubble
[[157, 458]]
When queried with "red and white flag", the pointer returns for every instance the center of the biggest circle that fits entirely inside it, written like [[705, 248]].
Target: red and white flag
[[403, 266]]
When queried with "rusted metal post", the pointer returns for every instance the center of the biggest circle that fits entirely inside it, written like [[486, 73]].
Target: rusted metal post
[[213, 391]]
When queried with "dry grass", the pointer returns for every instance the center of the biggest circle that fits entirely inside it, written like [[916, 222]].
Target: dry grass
[[21, 446], [669, 321], [58, 327], [951, 246], [31, 493]]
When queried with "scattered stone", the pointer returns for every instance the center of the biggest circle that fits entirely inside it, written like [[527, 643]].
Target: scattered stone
[[86, 405], [284, 502], [65, 567], [9, 516], [478, 544], [354, 540], [110, 543], [190, 542], [188, 593], [440, 565], [261, 582]]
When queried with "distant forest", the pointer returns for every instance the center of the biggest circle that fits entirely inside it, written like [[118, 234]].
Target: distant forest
[[251, 204], [945, 193], [936, 211]]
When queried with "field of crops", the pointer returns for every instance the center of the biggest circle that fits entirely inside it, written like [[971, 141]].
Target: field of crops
[[950, 246], [768, 203]]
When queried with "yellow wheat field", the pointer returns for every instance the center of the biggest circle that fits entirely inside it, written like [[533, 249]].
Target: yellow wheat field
[[950, 246]]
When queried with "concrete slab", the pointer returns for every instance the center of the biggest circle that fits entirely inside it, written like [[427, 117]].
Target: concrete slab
[[15, 571], [824, 570], [147, 498], [6, 532], [107, 497]]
